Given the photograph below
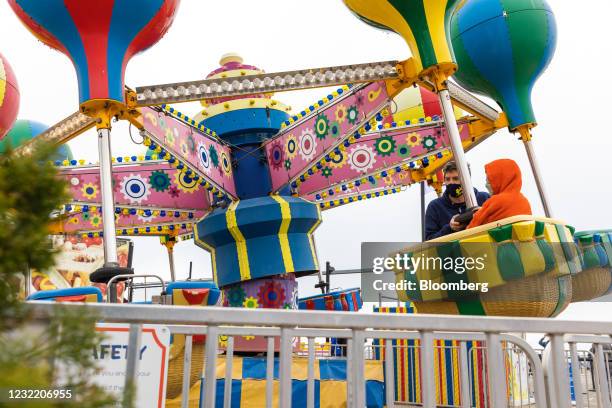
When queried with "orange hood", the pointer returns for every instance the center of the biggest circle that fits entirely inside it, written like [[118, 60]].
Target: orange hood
[[504, 176]]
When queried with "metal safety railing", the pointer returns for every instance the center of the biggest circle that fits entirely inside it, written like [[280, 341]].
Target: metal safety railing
[[548, 382]]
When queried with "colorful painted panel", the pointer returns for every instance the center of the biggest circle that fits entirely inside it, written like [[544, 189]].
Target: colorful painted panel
[[380, 151], [157, 185], [208, 157], [149, 222], [300, 145]]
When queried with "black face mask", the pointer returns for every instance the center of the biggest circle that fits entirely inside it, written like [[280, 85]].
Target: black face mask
[[454, 190]]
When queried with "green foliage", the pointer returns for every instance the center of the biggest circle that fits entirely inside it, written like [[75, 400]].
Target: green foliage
[[35, 353]]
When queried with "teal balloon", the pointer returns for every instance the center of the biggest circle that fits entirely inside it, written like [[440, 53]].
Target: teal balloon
[[25, 130], [502, 47]]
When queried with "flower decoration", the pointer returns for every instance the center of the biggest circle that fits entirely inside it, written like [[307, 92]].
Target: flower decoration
[[291, 147], [287, 164], [322, 126], [341, 114], [277, 155], [160, 181], [170, 137], [191, 145], [271, 295], [353, 115], [413, 139], [250, 303], [95, 221], [327, 172], [204, 157], [429, 143], [385, 145], [184, 149], [90, 191], [185, 183], [173, 191]]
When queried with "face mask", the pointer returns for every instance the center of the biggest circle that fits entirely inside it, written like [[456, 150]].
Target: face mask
[[454, 190]]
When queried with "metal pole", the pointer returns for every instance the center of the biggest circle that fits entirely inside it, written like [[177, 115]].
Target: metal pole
[[131, 372], [423, 211], [229, 362], [538, 177], [495, 361], [171, 261], [186, 372], [210, 369], [108, 202], [389, 374], [428, 382], [457, 148], [270, 373]]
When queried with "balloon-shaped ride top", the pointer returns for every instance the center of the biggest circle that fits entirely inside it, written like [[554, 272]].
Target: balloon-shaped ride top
[[247, 179], [9, 97]]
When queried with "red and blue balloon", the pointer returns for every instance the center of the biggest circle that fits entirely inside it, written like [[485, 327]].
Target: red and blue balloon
[[98, 36]]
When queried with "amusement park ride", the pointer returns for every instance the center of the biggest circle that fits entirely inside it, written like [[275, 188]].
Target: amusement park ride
[[248, 181]]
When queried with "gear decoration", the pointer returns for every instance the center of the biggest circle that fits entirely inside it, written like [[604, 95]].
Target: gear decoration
[[322, 126], [362, 158], [271, 295], [226, 164], [135, 188], [353, 115], [338, 160], [341, 114], [75, 181], [90, 191], [413, 139], [429, 143], [160, 181], [385, 145], [277, 156], [307, 145], [403, 150], [335, 129], [235, 296], [291, 147], [250, 303], [214, 156], [95, 221], [287, 164], [185, 183], [85, 216], [204, 157], [327, 172]]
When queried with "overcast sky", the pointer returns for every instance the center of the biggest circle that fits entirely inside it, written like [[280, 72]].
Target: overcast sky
[[571, 102]]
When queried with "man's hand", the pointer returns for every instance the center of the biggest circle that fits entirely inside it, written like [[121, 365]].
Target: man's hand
[[454, 225]]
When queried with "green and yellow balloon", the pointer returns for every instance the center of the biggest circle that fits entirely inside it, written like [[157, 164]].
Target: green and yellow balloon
[[423, 24]]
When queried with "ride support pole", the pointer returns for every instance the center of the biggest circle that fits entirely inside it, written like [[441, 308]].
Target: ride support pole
[[535, 169], [108, 202], [457, 148], [170, 247]]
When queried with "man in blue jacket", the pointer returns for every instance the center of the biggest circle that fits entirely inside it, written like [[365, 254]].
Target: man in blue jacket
[[441, 212]]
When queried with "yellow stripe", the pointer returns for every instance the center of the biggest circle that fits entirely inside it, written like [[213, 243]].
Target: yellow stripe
[[311, 238], [213, 252], [382, 12], [456, 393], [241, 246], [435, 12], [282, 233], [2, 82]]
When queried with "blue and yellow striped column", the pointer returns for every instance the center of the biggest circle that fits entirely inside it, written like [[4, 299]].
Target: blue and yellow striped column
[[260, 237]]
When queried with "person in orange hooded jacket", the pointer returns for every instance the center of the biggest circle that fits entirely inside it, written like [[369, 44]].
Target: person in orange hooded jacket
[[504, 183]]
